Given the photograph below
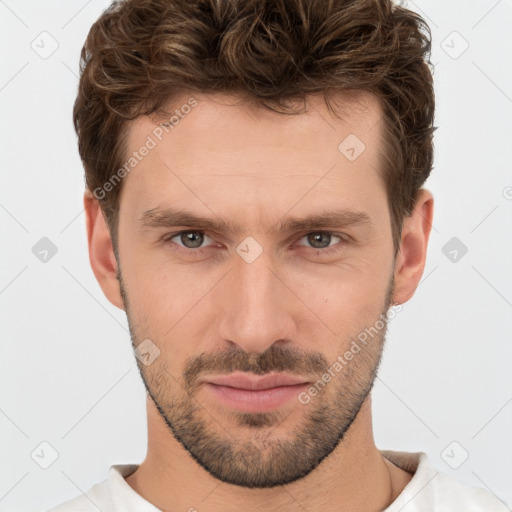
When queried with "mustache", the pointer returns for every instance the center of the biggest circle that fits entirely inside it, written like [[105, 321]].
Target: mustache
[[276, 358]]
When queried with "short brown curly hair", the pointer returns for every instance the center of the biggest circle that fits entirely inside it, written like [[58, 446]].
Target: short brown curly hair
[[141, 52]]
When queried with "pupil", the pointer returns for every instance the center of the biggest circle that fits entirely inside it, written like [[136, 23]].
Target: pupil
[[187, 238], [313, 239]]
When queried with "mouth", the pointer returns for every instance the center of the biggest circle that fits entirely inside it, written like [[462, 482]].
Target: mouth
[[255, 394]]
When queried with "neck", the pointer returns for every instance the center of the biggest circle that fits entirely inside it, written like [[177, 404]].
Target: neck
[[355, 476]]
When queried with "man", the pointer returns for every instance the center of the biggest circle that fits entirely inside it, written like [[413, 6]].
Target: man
[[254, 204]]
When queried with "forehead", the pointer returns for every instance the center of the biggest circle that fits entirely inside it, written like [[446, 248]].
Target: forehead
[[218, 146], [222, 122]]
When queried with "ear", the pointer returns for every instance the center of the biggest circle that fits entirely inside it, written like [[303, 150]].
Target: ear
[[101, 251], [411, 257]]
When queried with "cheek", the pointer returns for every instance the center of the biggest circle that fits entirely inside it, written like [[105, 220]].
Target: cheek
[[156, 286], [169, 304], [346, 295]]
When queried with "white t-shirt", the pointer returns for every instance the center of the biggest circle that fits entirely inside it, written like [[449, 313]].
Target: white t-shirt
[[428, 491]]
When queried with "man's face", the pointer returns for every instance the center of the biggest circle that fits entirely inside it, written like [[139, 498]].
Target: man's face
[[257, 295]]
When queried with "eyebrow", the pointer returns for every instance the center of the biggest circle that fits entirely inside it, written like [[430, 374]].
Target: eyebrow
[[168, 218]]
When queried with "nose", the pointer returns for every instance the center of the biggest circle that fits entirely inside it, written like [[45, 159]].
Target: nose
[[257, 307]]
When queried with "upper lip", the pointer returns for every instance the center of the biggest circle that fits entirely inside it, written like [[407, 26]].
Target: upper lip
[[244, 381]]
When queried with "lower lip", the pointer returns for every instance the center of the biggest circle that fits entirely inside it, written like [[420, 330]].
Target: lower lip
[[255, 401]]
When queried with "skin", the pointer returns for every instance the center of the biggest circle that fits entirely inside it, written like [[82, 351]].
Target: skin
[[292, 310]]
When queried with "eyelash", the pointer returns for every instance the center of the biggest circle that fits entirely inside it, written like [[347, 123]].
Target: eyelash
[[326, 251]]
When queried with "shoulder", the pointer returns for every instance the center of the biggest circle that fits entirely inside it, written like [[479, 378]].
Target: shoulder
[[430, 489], [110, 495], [97, 497]]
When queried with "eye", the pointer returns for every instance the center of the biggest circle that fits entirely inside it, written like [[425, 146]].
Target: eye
[[192, 241], [322, 239], [188, 239]]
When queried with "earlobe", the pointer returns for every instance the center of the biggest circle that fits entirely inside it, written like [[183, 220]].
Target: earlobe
[[101, 252], [411, 258]]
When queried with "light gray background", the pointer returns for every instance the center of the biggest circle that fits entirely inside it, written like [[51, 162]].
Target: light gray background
[[68, 375]]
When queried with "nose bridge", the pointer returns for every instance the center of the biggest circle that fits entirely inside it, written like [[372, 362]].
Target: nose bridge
[[254, 311]]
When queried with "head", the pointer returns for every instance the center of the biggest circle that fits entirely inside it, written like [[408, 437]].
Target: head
[[254, 204]]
